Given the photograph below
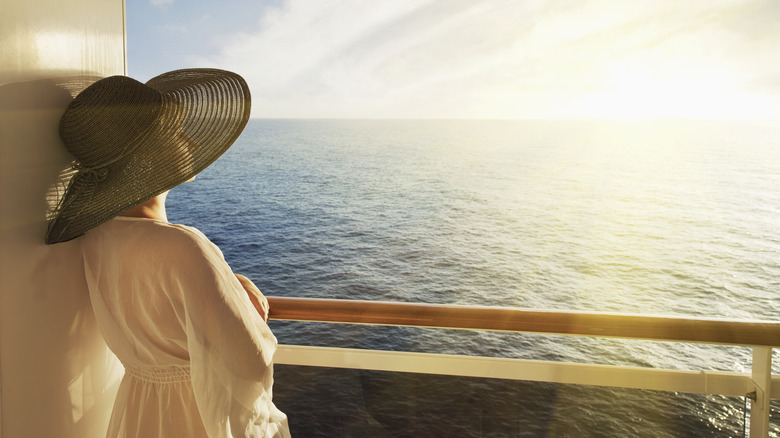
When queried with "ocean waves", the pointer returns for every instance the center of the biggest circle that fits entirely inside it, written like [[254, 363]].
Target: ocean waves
[[673, 218]]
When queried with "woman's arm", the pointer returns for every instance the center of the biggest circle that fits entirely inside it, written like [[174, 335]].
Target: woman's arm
[[255, 296]]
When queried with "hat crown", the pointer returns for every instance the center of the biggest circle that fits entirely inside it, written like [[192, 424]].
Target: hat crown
[[107, 117]]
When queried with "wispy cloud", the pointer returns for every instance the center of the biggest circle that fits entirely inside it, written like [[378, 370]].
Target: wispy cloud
[[453, 58], [160, 2], [184, 27]]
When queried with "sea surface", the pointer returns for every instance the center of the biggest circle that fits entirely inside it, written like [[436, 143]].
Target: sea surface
[[642, 217]]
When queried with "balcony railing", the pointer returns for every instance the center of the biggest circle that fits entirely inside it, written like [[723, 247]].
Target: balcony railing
[[759, 385]]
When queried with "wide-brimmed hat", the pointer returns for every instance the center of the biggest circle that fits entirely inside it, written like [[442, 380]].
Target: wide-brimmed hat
[[132, 141]]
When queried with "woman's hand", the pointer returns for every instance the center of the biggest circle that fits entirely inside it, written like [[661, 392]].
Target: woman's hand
[[255, 296]]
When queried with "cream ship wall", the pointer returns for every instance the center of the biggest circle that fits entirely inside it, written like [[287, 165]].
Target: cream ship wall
[[57, 378]]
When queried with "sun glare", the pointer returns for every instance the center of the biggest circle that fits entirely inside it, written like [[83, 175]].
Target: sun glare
[[635, 92]]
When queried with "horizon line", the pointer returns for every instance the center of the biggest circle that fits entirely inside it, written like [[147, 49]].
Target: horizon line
[[531, 119]]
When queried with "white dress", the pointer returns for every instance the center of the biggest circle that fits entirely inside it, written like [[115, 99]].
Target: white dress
[[197, 355]]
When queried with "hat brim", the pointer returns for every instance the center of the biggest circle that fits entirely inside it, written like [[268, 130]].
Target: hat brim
[[203, 113]]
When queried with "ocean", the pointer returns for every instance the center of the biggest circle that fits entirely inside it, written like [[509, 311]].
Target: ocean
[[642, 217]]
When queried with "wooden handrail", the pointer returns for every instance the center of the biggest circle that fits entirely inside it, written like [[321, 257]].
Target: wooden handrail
[[660, 328]]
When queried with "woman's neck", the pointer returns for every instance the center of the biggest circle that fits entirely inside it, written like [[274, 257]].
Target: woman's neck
[[151, 209]]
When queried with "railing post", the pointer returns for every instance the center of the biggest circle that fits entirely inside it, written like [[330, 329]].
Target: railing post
[[761, 375]]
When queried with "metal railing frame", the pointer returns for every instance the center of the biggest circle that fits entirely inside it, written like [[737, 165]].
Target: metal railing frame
[[760, 386]]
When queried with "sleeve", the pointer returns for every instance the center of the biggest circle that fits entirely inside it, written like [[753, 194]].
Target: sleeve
[[231, 348]]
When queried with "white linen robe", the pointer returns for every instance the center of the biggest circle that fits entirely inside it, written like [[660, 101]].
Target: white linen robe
[[197, 355]]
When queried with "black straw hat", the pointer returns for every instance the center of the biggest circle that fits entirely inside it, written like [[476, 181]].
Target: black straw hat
[[133, 141]]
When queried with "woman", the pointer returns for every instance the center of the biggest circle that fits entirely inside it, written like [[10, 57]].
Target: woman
[[191, 334]]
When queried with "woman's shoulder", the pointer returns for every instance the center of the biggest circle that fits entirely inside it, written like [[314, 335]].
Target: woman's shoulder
[[165, 235], [179, 234], [183, 232]]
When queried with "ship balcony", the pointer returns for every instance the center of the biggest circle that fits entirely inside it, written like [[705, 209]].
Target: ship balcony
[[758, 386]]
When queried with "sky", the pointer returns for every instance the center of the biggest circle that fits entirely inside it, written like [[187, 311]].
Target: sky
[[474, 59]]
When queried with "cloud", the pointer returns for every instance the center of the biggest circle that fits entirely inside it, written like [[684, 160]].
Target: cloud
[[186, 28], [457, 58], [373, 54], [160, 2]]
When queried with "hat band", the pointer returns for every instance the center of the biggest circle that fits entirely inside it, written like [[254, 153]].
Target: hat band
[[97, 173]]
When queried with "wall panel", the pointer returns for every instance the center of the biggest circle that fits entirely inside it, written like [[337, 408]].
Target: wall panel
[[57, 378]]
